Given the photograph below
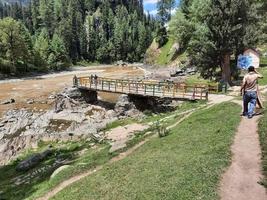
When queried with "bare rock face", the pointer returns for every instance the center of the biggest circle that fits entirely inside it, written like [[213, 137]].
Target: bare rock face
[[125, 108], [15, 122], [71, 97], [71, 119], [67, 99]]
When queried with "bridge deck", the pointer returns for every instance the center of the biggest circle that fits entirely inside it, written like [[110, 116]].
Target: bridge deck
[[144, 88]]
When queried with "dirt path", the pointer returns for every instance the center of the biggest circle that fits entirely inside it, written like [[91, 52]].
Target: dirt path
[[241, 180]]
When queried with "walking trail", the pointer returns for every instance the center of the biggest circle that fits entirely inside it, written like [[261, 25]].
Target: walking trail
[[241, 180]]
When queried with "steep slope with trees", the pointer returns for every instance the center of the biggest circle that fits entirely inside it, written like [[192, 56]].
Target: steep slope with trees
[[60, 32]]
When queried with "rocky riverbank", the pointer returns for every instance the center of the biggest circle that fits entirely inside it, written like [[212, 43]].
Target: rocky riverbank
[[72, 118]]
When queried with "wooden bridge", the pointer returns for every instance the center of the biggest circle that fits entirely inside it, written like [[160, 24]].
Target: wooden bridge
[[143, 88]]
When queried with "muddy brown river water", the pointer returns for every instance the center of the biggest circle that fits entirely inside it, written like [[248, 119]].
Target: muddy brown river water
[[40, 88]]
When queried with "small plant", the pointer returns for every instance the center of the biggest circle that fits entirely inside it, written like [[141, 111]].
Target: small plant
[[161, 130], [148, 112]]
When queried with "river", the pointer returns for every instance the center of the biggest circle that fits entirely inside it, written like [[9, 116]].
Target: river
[[39, 88]]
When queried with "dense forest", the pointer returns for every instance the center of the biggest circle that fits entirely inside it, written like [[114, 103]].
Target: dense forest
[[52, 34]]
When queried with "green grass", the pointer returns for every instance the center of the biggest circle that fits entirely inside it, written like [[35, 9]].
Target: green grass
[[121, 122], [164, 58], [78, 163], [263, 62], [196, 79], [263, 141], [42, 182], [263, 71], [187, 164]]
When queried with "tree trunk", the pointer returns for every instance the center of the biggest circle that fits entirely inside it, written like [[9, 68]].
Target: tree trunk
[[226, 71]]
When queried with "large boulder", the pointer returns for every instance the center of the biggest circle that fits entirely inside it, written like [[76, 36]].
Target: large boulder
[[33, 161], [80, 94], [7, 101], [123, 105], [126, 108]]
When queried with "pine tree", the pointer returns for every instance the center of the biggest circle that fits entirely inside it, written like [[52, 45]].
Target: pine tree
[[58, 58], [35, 15], [46, 10], [164, 8], [41, 45], [13, 46]]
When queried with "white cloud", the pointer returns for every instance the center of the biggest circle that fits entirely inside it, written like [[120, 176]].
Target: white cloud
[[151, 12], [150, 1]]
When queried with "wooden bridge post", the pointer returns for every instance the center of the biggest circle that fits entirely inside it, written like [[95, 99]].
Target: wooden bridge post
[[90, 80], [145, 88], [194, 93], [173, 94], [75, 81], [153, 90]]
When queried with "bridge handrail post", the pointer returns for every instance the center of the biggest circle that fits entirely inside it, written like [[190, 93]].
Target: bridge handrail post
[[75, 81], [153, 89], [194, 93], [173, 90]]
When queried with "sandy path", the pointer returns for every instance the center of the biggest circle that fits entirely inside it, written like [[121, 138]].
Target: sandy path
[[240, 181]]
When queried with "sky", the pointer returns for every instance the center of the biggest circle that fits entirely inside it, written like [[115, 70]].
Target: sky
[[151, 6]]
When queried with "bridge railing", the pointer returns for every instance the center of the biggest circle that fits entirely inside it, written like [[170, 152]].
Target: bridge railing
[[143, 87]]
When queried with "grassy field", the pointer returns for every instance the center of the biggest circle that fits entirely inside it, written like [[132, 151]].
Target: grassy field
[[40, 181], [164, 58], [263, 71], [263, 141], [80, 155], [187, 164]]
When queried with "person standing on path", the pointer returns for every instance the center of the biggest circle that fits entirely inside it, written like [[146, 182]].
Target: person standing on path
[[249, 89]]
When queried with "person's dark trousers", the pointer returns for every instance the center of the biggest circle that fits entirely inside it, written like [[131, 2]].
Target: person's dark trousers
[[250, 100], [245, 106]]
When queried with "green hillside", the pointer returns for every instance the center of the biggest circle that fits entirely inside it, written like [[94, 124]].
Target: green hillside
[[166, 55]]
